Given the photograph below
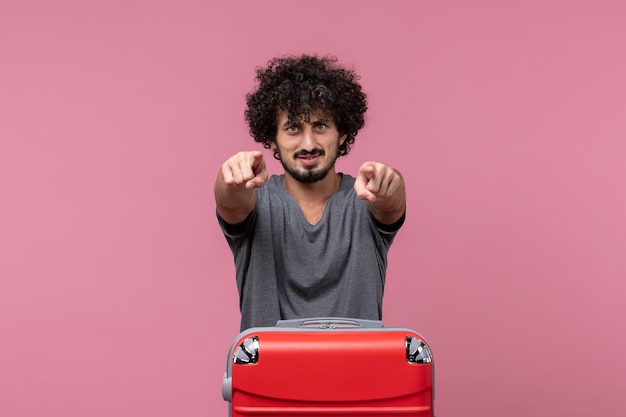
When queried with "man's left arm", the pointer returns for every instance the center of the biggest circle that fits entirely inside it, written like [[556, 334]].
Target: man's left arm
[[383, 188]]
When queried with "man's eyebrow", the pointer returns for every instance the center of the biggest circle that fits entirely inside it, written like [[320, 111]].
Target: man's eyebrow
[[314, 119], [290, 123], [322, 119]]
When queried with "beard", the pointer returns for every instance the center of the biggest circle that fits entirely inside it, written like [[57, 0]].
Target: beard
[[308, 174]]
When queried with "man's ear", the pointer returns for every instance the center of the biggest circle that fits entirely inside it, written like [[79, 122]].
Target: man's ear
[[342, 139]]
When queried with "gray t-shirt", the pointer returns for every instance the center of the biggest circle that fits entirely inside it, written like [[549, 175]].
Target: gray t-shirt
[[287, 268]]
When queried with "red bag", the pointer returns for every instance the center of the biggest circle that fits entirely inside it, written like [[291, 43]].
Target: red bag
[[329, 366]]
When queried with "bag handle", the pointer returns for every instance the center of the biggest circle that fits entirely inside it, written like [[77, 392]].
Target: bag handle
[[330, 323]]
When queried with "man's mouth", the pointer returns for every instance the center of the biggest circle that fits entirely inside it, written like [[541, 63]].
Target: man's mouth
[[309, 158]]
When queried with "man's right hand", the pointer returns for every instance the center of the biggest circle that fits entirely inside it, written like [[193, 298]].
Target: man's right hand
[[245, 168], [235, 183]]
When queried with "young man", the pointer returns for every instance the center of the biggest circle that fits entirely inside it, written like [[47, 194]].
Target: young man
[[311, 242]]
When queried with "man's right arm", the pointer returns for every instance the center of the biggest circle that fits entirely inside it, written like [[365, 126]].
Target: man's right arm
[[235, 184]]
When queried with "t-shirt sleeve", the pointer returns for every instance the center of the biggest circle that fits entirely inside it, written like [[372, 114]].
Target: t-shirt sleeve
[[394, 227], [388, 231], [235, 233]]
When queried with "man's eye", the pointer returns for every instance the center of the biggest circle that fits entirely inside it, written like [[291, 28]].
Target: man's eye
[[292, 129], [320, 126]]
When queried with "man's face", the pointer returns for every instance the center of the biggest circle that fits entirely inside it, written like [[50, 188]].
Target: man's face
[[307, 149]]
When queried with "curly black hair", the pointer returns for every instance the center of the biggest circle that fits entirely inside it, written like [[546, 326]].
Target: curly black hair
[[300, 85]]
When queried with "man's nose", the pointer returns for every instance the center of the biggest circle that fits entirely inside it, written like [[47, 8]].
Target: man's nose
[[309, 142]]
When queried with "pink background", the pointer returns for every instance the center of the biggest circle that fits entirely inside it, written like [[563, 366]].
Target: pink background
[[508, 120]]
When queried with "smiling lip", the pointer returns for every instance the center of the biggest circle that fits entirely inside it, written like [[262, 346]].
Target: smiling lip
[[309, 159]]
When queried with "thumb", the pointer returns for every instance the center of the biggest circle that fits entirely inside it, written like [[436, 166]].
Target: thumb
[[367, 172], [260, 172], [256, 161], [360, 185]]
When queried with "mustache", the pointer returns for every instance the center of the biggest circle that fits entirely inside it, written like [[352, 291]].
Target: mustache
[[314, 152]]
